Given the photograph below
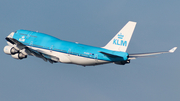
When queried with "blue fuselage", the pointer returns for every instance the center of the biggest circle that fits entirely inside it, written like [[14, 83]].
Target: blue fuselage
[[44, 41]]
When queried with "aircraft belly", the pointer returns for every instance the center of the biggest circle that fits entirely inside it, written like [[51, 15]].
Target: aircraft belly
[[72, 59], [85, 61], [81, 60]]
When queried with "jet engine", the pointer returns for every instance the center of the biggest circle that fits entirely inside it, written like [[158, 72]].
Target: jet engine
[[19, 56], [10, 50], [122, 62]]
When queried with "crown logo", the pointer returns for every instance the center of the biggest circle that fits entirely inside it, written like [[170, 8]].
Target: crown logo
[[120, 36]]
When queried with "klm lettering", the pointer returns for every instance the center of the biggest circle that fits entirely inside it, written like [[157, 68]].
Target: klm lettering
[[119, 42]]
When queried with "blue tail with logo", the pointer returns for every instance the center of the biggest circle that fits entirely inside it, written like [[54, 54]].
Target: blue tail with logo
[[121, 40]]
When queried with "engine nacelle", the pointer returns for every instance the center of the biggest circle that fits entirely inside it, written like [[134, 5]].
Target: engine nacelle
[[10, 50], [19, 56], [122, 62]]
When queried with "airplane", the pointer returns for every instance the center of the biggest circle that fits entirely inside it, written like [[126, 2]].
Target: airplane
[[22, 43]]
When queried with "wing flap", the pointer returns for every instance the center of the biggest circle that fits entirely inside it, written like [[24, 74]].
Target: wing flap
[[54, 58]]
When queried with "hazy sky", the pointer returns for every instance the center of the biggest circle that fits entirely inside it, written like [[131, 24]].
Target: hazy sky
[[93, 22]]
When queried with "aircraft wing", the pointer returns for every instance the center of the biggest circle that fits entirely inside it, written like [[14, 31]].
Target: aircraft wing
[[134, 56], [37, 53], [14, 41]]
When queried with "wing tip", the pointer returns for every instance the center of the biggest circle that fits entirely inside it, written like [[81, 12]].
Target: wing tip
[[172, 50]]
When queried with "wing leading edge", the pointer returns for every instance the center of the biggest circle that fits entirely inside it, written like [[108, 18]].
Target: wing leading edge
[[33, 52], [134, 56]]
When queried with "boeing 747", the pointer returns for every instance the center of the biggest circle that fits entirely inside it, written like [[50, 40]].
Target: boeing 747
[[23, 43]]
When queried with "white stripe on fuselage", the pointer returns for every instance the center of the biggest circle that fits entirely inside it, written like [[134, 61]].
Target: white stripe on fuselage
[[73, 59]]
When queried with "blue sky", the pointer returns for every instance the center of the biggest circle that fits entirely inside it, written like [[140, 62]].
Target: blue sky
[[93, 22]]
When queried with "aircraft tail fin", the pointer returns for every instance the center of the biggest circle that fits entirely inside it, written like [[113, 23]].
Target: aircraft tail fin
[[121, 40]]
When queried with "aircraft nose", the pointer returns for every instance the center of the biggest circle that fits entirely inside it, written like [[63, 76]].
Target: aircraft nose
[[11, 35]]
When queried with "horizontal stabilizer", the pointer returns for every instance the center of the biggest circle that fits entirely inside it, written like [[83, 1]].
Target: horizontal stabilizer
[[134, 56], [108, 54]]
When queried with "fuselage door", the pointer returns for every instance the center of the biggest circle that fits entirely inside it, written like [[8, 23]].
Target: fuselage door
[[29, 35], [30, 38]]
